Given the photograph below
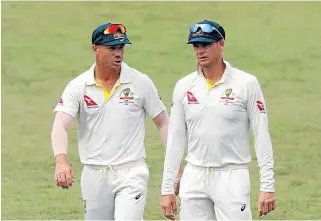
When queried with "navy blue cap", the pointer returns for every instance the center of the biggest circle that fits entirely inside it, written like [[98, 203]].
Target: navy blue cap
[[100, 38], [216, 33]]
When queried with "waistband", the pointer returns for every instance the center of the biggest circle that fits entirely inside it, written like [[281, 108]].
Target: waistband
[[208, 170], [225, 167], [116, 167]]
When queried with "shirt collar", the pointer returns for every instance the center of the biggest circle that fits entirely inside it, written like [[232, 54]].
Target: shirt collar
[[226, 72], [125, 76]]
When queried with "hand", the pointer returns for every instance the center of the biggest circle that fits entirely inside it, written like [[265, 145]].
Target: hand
[[64, 176], [168, 204], [267, 203]]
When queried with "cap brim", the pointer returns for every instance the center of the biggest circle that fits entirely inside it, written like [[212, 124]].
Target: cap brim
[[200, 39], [117, 42]]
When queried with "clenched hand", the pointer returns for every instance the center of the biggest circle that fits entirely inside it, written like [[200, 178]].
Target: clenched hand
[[64, 176], [168, 204], [267, 203]]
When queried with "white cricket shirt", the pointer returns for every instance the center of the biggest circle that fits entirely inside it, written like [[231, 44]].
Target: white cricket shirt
[[111, 125], [215, 122]]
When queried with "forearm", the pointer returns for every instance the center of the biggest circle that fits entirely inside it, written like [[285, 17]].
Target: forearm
[[59, 140], [264, 153], [267, 179], [163, 134], [173, 158], [161, 121], [171, 168], [59, 134], [179, 175], [176, 141], [266, 165]]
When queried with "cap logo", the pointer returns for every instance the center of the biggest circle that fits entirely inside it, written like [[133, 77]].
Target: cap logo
[[198, 33], [119, 35]]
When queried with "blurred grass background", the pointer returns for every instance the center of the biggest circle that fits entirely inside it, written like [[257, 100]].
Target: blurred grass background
[[46, 44]]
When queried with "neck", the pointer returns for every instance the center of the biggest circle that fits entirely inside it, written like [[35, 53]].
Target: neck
[[215, 71], [105, 73]]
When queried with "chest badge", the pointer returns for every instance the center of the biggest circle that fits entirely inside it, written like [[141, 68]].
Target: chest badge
[[126, 96], [126, 92], [228, 96], [228, 92]]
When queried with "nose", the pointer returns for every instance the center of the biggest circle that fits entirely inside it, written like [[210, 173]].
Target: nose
[[117, 51], [200, 50]]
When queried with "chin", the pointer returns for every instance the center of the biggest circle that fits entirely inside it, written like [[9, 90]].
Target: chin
[[116, 67], [204, 63]]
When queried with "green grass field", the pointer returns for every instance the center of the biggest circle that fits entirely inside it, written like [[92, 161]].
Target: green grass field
[[46, 44]]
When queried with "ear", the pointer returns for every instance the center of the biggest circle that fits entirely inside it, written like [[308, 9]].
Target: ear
[[95, 49], [221, 44]]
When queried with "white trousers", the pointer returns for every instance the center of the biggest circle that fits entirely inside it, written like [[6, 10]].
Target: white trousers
[[208, 193], [114, 193]]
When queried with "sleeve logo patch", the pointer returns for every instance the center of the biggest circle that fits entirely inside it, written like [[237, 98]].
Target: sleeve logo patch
[[260, 106]]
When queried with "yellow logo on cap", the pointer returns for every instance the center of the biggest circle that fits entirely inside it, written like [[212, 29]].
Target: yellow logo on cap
[[199, 32]]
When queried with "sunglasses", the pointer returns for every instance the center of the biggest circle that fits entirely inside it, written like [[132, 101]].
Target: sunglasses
[[206, 28], [112, 29], [201, 44]]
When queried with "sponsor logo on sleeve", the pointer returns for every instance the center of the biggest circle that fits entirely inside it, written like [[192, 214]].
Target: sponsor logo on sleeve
[[89, 102], [260, 106]]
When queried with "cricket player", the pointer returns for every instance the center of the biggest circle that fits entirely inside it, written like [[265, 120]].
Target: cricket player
[[110, 101], [212, 111]]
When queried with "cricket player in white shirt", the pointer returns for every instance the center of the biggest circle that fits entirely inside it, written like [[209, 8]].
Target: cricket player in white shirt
[[213, 109], [110, 101]]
